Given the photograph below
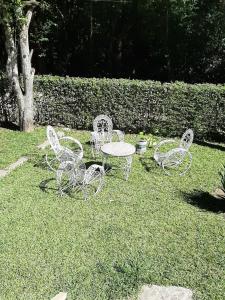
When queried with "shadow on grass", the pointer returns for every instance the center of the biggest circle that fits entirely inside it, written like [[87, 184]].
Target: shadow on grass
[[205, 201], [47, 185], [92, 162], [148, 163], [44, 185], [39, 161], [211, 145]]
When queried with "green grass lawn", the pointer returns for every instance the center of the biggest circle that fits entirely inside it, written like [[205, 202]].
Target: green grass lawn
[[151, 229], [14, 144]]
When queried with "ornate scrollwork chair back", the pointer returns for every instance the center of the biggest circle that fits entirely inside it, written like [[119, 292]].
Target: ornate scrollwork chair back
[[177, 159], [53, 140], [62, 153], [187, 139], [103, 133], [102, 125]]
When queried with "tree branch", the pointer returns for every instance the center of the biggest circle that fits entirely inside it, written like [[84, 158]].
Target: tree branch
[[28, 16], [30, 3], [31, 54]]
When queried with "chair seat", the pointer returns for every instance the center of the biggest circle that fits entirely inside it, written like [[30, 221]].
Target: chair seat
[[159, 157]]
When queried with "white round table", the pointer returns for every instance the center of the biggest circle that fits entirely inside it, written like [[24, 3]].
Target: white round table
[[119, 149]]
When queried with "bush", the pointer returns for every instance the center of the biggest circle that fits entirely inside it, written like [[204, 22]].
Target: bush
[[133, 105]]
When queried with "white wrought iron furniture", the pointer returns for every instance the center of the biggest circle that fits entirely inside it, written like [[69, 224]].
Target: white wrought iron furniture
[[73, 175], [178, 159], [119, 149], [62, 153], [103, 133]]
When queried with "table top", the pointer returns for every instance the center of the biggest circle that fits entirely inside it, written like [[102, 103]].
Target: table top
[[118, 149]]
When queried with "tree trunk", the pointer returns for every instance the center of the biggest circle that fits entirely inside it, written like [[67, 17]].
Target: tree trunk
[[12, 69], [24, 95], [28, 76]]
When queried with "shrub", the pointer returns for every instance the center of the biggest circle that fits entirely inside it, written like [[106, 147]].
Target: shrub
[[133, 105]]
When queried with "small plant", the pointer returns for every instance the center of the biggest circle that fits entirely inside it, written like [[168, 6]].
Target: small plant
[[149, 138], [141, 136], [152, 141], [145, 140]]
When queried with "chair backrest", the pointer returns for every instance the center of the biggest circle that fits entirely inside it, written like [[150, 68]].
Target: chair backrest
[[63, 153], [53, 139], [187, 139], [102, 124]]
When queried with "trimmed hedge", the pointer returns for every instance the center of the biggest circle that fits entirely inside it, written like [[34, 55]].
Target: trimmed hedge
[[134, 105]]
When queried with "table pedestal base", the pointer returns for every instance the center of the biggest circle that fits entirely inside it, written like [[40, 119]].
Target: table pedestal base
[[126, 166]]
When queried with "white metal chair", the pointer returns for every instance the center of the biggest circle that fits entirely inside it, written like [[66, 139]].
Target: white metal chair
[[103, 133], [177, 160], [73, 175], [62, 153]]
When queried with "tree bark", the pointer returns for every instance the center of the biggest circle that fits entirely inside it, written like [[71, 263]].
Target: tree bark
[[12, 68], [28, 75], [24, 95]]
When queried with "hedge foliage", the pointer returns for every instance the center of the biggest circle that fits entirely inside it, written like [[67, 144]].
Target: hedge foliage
[[134, 105]]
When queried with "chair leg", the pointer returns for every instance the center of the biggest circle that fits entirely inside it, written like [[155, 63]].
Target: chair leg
[[49, 163], [127, 167], [85, 192]]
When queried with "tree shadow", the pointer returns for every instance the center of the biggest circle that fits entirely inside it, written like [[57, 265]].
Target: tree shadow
[[211, 145], [205, 201], [148, 163]]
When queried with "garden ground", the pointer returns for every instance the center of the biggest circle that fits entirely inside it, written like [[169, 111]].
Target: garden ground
[[151, 229]]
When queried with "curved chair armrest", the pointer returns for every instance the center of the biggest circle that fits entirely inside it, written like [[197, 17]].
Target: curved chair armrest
[[93, 172], [175, 151], [50, 163], [60, 134], [69, 138], [120, 134], [169, 141], [160, 144], [175, 157]]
